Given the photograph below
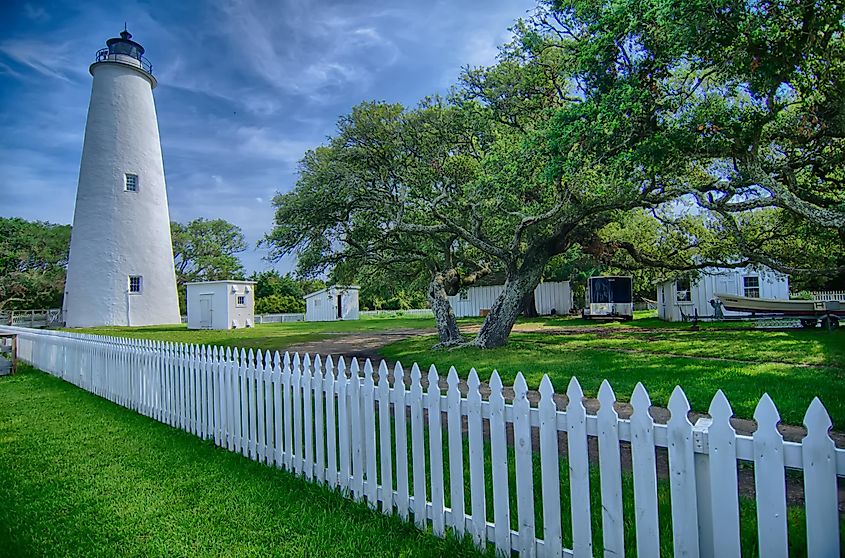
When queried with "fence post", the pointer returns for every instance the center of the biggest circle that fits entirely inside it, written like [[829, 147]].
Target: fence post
[[702, 487]]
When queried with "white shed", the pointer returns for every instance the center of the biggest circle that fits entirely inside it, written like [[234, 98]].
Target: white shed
[[680, 299], [221, 304], [551, 297], [339, 302]]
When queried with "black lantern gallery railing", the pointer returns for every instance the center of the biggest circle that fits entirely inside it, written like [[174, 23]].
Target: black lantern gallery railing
[[105, 54]]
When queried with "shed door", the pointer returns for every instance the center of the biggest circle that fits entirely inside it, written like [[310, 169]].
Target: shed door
[[206, 304]]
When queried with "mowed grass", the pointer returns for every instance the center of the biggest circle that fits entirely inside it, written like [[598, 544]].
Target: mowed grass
[[263, 336], [792, 366], [81, 476]]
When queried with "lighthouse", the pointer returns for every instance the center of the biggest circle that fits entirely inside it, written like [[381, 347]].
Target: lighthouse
[[120, 268]]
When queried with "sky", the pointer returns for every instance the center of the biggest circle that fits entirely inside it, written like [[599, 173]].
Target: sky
[[244, 89]]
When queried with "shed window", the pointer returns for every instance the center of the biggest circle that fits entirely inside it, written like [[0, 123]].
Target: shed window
[[682, 287], [241, 300], [751, 286], [131, 182], [135, 283]]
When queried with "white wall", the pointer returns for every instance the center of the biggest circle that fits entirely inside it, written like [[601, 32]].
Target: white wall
[[118, 233], [321, 306], [226, 314], [712, 281], [470, 302]]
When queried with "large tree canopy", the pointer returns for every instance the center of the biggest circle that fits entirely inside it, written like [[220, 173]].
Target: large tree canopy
[[670, 135]]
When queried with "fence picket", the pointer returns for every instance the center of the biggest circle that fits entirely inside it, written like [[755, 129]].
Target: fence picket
[[820, 486], [682, 477], [722, 440], [260, 402], [456, 452], [550, 470], [287, 411], [278, 454], [355, 422], [307, 418], [418, 446], [645, 474], [343, 425], [369, 429], [613, 527], [385, 438], [524, 458], [331, 423], [246, 410], [499, 465], [401, 429], [269, 425], [579, 470], [435, 453], [769, 480], [296, 388], [319, 421], [478, 496]]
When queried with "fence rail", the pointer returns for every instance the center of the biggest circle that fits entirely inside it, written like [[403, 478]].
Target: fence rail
[[371, 435]]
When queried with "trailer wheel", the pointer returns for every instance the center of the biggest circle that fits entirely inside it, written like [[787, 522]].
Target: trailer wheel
[[831, 322], [808, 323]]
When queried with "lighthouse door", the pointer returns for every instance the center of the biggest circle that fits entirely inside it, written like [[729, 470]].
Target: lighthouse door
[[205, 310]]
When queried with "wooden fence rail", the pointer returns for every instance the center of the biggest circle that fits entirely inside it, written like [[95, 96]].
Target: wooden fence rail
[[366, 432]]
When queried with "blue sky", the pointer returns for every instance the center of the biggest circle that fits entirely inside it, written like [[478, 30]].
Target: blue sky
[[245, 88]]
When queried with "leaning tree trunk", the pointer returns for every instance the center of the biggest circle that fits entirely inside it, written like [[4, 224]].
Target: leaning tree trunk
[[497, 326], [444, 316]]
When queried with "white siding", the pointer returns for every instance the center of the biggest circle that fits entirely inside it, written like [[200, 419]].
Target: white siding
[[547, 296], [321, 306], [773, 285], [225, 312]]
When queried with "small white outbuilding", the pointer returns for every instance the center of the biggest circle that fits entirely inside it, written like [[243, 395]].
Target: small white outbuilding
[[551, 297], [221, 304], [680, 299], [339, 302]]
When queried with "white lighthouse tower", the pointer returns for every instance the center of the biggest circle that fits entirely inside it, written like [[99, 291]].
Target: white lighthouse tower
[[120, 270]]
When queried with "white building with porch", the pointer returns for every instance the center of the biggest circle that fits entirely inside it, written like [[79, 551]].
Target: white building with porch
[[681, 299], [338, 302], [221, 304]]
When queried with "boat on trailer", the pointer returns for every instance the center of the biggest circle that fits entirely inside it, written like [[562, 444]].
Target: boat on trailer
[[808, 311]]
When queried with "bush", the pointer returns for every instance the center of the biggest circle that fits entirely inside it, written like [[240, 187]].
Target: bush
[[279, 304]]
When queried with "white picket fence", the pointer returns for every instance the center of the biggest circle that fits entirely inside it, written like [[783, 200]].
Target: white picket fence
[[396, 313], [829, 295], [326, 421]]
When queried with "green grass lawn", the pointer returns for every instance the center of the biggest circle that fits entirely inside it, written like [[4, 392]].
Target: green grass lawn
[[264, 336], [80, 476], [792, 366]]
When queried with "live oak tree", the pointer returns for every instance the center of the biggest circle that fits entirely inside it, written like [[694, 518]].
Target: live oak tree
[[358, 207], [720, 124]]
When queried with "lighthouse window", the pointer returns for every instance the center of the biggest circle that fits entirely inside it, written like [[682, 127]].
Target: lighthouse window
[[135, 283], [131, 182]]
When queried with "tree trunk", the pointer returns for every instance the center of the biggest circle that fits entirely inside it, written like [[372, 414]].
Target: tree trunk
[[497, 326], [444, 316]]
